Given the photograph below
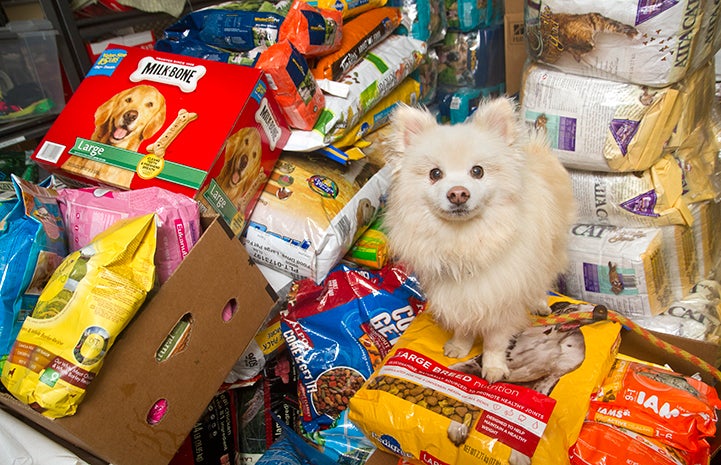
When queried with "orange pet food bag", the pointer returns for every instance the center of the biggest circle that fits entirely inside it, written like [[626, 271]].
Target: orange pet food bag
[[359, 35], [600, 444], [675, 409], [313, 32], [294, 86]]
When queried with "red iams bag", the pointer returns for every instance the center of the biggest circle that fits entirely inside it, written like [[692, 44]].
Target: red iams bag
[[678, 410], [314, 32], [293, 84]]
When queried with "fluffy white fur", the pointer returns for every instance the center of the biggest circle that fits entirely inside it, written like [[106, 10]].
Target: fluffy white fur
[[488, 259]]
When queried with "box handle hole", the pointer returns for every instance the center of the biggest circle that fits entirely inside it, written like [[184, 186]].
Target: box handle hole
[[157, 412], [177, 339], [229, 310]]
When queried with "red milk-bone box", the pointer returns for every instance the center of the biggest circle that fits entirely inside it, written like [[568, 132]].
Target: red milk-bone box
[[143, 118]]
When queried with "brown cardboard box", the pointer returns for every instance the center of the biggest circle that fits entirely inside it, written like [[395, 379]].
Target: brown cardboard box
[[706, 351], [110, 423], [635, 345], [515, 42]]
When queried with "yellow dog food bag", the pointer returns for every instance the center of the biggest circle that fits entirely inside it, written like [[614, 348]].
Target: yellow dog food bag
[[409, 403], [88, 301]]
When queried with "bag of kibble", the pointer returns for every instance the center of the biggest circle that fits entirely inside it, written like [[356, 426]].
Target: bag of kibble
[[88, 301], [439, 410], [338, 331]]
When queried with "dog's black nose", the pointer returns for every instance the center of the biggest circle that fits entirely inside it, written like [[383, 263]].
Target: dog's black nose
[[458, 195], [242, 162], [130, 116]]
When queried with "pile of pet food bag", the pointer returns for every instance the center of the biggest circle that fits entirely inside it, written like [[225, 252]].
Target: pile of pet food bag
[[640, 138], [347, 362]]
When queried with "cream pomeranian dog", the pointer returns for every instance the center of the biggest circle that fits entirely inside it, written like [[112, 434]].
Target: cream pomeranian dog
[[480, 213]]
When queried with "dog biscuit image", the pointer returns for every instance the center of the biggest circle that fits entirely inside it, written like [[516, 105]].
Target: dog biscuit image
[[159, 147]]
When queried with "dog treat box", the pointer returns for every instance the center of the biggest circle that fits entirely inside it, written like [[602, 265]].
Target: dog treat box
[[142, 118]]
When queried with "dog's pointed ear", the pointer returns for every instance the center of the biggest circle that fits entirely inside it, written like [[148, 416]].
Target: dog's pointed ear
[[498, 115], [408, 123]]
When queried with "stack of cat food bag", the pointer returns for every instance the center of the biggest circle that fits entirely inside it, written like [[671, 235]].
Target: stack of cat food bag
[[625, 94]]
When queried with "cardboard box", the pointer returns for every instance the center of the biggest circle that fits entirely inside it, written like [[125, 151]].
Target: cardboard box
[[707, 351], [142, 39], [112, 423], [140, 118], [515, 44]]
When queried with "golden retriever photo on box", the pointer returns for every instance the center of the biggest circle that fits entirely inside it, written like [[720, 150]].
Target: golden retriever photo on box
[[125, 120], [242, 172]]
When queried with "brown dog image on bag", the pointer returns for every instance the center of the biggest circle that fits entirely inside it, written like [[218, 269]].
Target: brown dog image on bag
[[124, 121], [572, 33]]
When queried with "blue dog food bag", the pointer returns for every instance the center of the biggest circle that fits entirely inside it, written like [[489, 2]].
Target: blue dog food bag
[[32, 244], [338, 331]]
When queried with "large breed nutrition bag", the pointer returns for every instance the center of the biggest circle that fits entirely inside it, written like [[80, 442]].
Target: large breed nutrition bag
[[415, 401]]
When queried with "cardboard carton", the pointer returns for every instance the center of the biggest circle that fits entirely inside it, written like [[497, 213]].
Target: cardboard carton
[[707, 351], [142, 39], [515, 44], [118, 421], [142, 118]]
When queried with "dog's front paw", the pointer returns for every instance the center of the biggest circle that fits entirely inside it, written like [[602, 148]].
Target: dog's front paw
[[493, 374], [517, 458], [458, 346], [494, 367], [458, 432], [541, 308], [453, 351]]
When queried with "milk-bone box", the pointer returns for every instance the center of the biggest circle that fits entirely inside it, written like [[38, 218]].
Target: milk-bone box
[[144, 118]]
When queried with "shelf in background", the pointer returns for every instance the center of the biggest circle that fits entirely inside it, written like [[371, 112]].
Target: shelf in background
[[20, 131], [74, 32]]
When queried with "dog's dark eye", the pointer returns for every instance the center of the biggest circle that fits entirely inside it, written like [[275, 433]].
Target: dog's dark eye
[[149, 104], [128, 100], [435, 174], [477, 172]]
